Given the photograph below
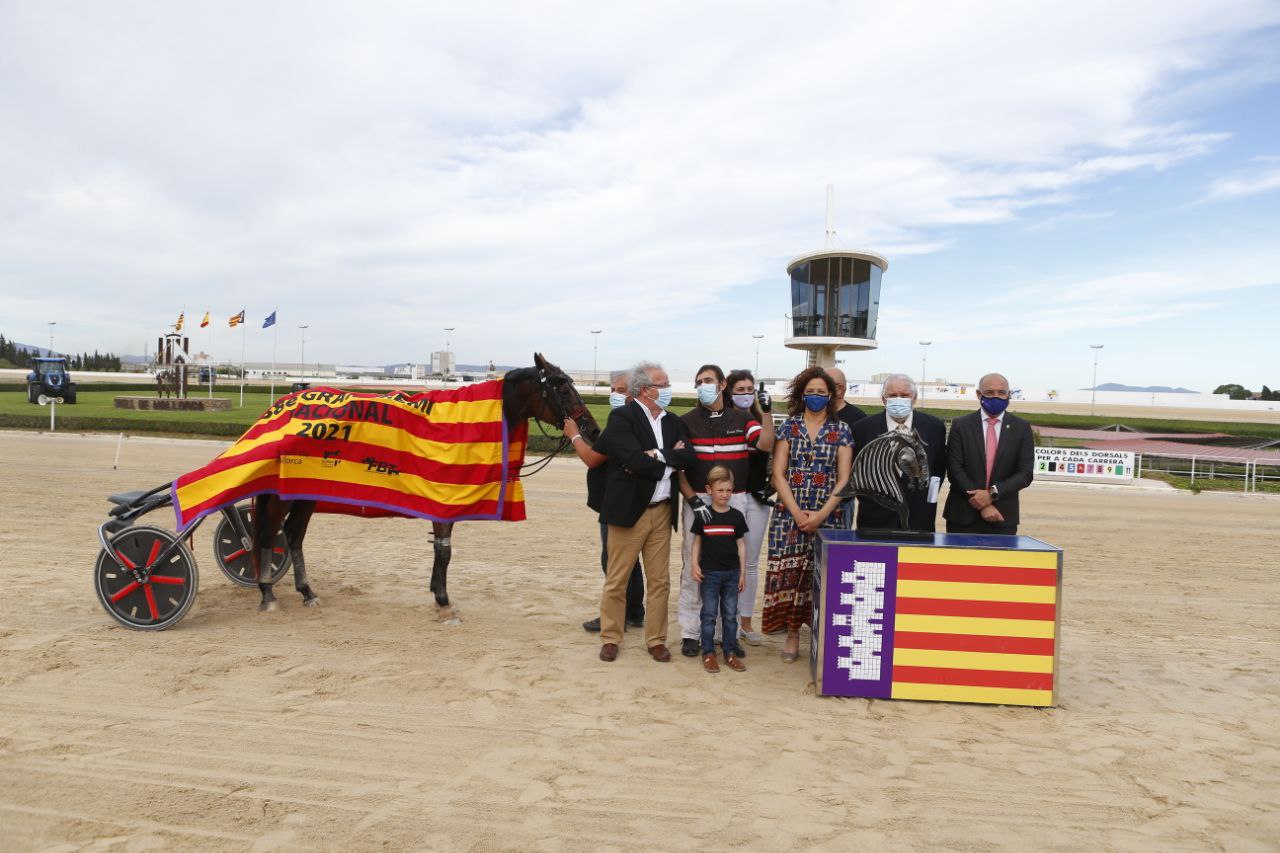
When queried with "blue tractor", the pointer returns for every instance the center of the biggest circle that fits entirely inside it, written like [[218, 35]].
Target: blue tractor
[[49, 377]]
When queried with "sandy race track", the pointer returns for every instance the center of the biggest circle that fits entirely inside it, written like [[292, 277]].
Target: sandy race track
[[367, 723]]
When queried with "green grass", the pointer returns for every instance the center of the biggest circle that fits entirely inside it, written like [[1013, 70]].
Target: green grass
[[1209, 484]]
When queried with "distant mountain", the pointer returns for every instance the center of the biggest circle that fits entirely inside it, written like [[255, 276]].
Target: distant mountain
[[1145, 389]]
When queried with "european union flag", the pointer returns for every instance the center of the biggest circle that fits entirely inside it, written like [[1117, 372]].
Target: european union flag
[[270, 321]]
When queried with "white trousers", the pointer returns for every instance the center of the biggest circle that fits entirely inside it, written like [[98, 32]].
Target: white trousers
[[689, 606], [757, 526]]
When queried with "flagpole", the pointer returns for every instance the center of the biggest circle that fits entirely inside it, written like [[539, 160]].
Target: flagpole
[[209, 343], [244, 332]]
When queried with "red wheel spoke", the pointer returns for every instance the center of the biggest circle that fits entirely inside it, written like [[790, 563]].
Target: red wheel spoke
[[125, 561], [277, 550], [155, 552], [168, 580], [151, 602], [122, 593], [235, 556]]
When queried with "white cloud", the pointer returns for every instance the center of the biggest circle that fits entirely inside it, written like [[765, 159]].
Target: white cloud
[[1255, 182], [385, 173]]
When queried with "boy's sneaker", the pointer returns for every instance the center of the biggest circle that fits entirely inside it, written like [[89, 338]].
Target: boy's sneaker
[[709, 662], [731, 661]]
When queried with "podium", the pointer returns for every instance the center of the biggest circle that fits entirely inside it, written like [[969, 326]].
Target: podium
[[964, 618]]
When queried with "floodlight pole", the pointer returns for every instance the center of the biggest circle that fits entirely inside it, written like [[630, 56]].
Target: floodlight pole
[[924, 362], [51, 323], [304, 351], [1093, 392], [448, 337], [595, 341], [758, 339]]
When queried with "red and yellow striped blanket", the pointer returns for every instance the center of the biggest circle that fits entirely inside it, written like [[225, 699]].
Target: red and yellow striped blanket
[[440, 455]]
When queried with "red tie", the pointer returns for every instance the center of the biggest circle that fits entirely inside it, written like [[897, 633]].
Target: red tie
[[992, 426]]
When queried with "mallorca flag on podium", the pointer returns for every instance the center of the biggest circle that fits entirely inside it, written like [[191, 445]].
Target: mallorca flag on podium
[[236, 319]]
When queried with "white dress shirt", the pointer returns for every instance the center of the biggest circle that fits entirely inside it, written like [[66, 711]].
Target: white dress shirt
[[662, 490]]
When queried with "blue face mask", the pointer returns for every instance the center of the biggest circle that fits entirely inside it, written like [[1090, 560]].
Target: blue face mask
[[616, 399], [708, 393], [664, 398], [994, 406], [816, 402], [899, 408]]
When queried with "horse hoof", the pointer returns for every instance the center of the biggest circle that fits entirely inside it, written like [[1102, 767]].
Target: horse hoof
[[267, 606], [314, 601]]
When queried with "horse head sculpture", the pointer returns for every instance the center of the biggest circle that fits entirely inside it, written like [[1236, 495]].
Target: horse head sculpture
[[887, 464]]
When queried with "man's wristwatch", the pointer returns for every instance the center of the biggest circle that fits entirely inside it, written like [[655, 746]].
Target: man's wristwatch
[[994, 492]]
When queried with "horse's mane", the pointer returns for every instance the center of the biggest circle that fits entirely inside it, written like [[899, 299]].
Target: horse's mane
[[873, 471], [510, 384]]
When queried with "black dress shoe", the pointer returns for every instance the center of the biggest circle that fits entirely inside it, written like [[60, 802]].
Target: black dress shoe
[[690, 648], [635, 622], [592, 625]]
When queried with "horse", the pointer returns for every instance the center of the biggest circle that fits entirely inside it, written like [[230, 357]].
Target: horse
[[166, 383], [883, 464], [543, 392]]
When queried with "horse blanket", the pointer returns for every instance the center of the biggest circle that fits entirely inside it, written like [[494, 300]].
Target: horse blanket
[[441, 455]]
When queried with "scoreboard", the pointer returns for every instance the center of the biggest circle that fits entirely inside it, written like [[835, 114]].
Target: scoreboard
[[964, 618]]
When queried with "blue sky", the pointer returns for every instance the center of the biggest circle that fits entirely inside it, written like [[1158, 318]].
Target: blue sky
[[1040, 179]]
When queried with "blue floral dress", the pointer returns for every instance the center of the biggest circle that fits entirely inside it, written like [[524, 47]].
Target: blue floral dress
[[811, 474]]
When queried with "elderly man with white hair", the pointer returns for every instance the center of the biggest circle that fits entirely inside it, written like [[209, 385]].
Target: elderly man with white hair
[[899, 395]]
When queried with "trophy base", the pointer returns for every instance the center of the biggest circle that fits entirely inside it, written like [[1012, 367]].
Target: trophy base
[[894, 535]]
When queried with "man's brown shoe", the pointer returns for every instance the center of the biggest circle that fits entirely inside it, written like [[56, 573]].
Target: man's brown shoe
[[609, 652], [660, 653], [709, 662], [734, 663]]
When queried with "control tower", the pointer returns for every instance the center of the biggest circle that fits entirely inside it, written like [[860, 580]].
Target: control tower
[[835, 299]]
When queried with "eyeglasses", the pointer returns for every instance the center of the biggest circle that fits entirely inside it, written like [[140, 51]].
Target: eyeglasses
[[993, 394]]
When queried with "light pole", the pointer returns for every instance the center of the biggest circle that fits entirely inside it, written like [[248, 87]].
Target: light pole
[[924, 362], [595, 340], [52, 323], [758, 339], [448, 336], [1093, 392], [303, 367]]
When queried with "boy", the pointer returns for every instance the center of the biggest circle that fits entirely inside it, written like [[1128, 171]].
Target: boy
[[719, 566]]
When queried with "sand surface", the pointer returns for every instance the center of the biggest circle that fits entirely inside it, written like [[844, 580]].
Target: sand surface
[[366, 723]]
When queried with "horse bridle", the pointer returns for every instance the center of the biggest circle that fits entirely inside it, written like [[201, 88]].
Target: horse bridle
[[551, 396]]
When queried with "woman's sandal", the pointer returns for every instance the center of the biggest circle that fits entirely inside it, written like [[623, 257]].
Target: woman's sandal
[[791, 657]]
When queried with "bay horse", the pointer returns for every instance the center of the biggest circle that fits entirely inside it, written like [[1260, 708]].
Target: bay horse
[[543, 392]]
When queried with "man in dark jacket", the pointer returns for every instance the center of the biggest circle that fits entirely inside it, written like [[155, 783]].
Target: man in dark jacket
[[645, 447], [899, 395], [990, 459]]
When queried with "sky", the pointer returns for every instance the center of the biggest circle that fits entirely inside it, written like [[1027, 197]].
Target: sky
[[1040, 179]]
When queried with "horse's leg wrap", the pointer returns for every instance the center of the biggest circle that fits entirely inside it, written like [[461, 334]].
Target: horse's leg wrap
[[300, 581], [264, 580], [442, 545]]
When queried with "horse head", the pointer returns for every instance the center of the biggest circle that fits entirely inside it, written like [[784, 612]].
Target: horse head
[[912, 462], [549, 395]]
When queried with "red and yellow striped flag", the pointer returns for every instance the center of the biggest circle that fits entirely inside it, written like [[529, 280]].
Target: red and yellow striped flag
[[441, 455], [975, 625]]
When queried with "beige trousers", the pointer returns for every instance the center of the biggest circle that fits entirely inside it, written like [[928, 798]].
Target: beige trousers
[[650, 538]]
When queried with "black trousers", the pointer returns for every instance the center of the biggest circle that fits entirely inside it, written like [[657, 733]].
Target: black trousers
[[635, 586]]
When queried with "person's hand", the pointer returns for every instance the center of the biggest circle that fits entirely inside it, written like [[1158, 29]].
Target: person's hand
[[679, 445], [808, 522], [742, 581], [991, 515], [697, 572], [570, 429], [652, 454], [766, 402], [700, 508], [979, 499]]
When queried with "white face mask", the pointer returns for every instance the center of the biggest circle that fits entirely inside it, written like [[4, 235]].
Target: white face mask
[[743, 401], [899, 408], [616, 399]]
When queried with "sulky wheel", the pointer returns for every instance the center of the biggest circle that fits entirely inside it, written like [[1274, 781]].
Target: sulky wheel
[[140, 601], [232, 553]]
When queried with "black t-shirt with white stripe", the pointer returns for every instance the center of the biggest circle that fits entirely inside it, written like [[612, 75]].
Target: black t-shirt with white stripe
[[719, 549]]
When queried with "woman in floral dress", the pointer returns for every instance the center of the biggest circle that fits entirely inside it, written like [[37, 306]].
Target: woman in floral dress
[[812, 455]]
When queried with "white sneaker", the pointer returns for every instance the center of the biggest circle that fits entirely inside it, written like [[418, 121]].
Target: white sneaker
[[753, 638]]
